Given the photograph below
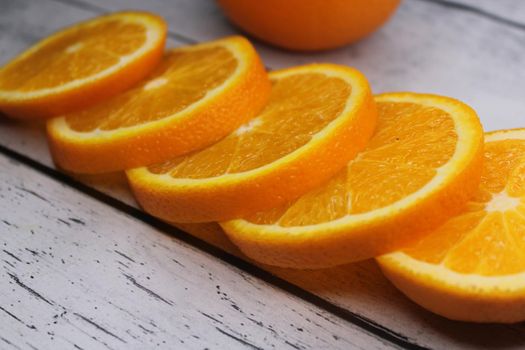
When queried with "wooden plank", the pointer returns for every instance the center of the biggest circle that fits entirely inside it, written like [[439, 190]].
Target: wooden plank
[[426, 47], [75, 271], [504, 10], [358, 288]]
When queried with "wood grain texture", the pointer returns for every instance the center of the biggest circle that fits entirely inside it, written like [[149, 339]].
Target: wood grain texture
[[75, 272], [358, 288], [510, 10]]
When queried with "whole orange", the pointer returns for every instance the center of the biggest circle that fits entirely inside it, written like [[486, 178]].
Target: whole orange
[[308, 25]]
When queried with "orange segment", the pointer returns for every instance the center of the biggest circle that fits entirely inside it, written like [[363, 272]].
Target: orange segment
[[276, 132], [473, 265], [82, 64], [197, 95], [420, 167], [317, 118], [187, 75]]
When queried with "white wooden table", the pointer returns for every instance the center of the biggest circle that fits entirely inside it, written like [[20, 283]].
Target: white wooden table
[[81, 267]]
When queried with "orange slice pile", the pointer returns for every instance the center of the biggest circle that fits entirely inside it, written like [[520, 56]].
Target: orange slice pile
[[302, 167], [317, 118], [421, 166], [197, 95]]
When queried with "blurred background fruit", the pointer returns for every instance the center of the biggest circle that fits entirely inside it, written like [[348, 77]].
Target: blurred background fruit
[[309, 25]]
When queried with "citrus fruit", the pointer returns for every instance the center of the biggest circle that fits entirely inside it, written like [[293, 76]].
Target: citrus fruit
[[318, 117], [472, 268], [309, 25], [197, 95], [420, 167], [82, 64]]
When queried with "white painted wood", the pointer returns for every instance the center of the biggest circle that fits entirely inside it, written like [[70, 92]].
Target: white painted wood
[[75, 271], [513, 10], [359, 288]]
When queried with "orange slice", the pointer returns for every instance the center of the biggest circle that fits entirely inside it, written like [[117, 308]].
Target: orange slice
[[473, 267], [82, 64], [197, 95], [420, 167], [318, 117]]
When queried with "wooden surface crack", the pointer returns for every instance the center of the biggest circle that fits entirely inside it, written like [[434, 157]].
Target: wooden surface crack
[[33, 193], [238, 339], [29, 289], [124, 255], [147, 290], [99, 327], [12, 255], [17, 319]]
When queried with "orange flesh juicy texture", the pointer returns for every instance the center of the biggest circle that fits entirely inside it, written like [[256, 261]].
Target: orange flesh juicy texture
[[275, 132], [187, 75], [89, 50], [488, 239], [396, 162], [81, 65]]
